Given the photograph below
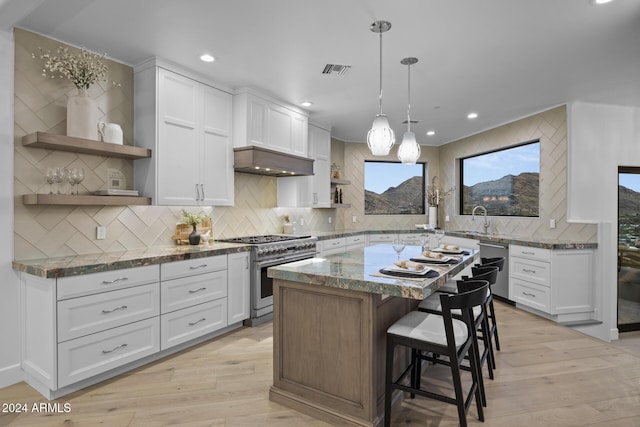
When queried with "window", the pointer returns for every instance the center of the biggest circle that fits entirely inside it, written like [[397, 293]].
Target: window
[[393, 188], [506, 182]]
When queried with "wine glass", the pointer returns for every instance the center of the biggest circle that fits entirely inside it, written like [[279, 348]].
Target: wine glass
[[50, 177], [79, 177], [398, 246], [59, 177], [440, 235], [71, 177], [424, 239]]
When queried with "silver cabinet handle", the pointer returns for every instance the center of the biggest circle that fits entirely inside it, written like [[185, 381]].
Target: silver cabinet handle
[[197, 321], [527, 253], [193, 291], [110, 282], [197, 193], [246, 262], [202, 191], [528, 294], [122, 307], [114, 349], [526, 270], [197, 267]]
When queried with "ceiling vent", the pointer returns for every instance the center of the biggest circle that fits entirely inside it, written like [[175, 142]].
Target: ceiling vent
[[336, 70]]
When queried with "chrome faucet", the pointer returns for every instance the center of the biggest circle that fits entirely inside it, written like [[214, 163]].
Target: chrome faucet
[[485, 224]]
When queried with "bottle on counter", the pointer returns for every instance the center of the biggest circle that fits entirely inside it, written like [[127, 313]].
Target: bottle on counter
[[336, 196]]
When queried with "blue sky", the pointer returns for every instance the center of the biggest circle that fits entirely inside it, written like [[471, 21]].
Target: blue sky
[[630, 180], [379, 176], [492, 166]]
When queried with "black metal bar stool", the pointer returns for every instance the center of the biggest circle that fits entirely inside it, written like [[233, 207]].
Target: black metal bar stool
[[486, 271], [443, 335]]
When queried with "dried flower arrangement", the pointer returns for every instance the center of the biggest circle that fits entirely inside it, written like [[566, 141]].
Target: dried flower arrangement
[[83, 69], [435, 194], [192, 218]]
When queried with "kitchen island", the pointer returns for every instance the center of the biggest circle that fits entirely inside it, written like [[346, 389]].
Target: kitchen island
[[330, 320]]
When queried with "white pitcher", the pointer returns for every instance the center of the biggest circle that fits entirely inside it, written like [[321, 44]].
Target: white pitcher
[[110, 132]]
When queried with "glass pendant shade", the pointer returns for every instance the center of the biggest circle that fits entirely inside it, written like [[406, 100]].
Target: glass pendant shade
[[409, 150], [381, 137]]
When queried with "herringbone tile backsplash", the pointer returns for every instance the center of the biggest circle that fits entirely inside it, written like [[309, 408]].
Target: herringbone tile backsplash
[[51, 231]]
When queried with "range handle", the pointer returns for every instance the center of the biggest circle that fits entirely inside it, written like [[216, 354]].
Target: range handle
[[493, 245]]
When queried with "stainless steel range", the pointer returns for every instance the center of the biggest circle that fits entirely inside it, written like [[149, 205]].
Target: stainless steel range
[[268, 251]]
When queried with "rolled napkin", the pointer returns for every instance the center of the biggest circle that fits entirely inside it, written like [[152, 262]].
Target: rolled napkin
[[410, 264], [432, 255], [450, 247]]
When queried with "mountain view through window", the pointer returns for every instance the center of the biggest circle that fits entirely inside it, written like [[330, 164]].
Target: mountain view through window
[[393, 188], [506, 182]]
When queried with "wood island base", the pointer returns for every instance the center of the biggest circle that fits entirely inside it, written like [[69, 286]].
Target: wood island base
[[329, 351]]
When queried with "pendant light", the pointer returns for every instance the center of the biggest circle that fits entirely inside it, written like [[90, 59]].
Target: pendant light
[[409, 150], [380, 138]]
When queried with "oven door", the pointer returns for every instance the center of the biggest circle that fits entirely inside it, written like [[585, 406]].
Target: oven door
[[262, 286]]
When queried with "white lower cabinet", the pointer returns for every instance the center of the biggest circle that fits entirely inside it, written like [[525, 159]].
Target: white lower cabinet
[[333, 246], [97, 353], [183, 325], [375, 238], [557, 282], [82, 329]]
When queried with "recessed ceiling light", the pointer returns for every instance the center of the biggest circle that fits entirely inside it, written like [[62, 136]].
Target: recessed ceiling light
[[598, 2], [207, 58], [306, 103], [431, 132], [472, 115]]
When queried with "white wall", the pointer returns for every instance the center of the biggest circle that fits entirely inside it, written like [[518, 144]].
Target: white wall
[[601, 138], [9, 285]]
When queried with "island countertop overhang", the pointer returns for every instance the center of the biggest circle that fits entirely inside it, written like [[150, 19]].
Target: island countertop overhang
[[353, 270]]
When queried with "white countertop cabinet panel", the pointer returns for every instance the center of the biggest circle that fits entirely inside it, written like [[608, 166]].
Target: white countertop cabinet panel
[[191, 290]]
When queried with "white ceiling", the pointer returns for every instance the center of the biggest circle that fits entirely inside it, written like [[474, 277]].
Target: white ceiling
[[504, 59]]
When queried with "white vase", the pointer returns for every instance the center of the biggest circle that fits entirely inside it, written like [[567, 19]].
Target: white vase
[[82, 116], [433, 216]]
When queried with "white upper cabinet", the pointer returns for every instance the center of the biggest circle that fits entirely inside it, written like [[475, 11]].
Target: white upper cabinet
[[265, 122], [310, 191], [188, 125]]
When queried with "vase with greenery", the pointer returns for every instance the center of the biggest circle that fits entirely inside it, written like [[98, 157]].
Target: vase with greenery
[[434, 196], [83, 70], [193, 219]]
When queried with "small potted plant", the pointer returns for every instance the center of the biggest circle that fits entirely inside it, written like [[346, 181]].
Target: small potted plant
[[193, 219]]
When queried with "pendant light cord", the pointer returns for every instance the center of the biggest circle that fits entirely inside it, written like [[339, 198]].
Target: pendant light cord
[[380, 97], [409, 98]]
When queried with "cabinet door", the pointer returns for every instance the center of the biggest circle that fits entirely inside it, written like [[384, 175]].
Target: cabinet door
[[320, 151], [238, 287], [299, 134], [279, 126], [216, 156], [178, 139]]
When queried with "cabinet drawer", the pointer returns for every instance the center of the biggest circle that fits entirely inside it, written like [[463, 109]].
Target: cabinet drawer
[[187, 291], [531, 295], [360, 239], [189, 267], [382, 238], [183, 325], [93, 354], [538, 254], [86, 284], [530, 270], [95, 313]]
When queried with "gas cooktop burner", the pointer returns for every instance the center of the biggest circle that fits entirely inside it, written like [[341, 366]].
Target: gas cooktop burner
[[269, 238]]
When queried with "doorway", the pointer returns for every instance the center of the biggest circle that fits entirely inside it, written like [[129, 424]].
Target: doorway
[[628, 249]]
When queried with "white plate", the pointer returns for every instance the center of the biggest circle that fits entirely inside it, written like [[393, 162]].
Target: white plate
[[407, 270]]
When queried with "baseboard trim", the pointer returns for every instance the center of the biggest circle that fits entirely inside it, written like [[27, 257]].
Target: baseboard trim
[[11, 375]]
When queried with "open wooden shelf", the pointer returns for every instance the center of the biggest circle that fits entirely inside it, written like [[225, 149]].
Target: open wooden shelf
[[83, 200], [84, 146], [335, 181]]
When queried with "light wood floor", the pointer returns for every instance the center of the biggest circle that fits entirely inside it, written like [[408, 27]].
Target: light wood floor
[[547, 375]]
